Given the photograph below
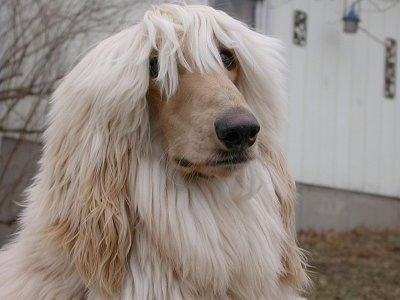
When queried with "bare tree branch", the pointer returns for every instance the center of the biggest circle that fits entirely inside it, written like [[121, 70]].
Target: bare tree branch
[[38, 39]]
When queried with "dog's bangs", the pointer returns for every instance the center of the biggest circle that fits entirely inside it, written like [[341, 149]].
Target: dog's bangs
[[191, 36]]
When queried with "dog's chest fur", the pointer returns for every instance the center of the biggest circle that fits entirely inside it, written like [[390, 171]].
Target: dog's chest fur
[[205, 239]]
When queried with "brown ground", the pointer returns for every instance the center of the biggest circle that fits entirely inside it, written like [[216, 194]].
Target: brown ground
[[360, 264]]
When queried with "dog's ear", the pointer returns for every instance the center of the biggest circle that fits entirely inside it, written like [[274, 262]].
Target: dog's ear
[[97, 235], [99, 128], [285, 189], [89, 204]]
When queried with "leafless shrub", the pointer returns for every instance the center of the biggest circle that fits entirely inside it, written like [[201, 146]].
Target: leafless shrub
[[39, 40]]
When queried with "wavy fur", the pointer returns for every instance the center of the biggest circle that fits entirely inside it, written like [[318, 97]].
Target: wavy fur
[[108, 217]]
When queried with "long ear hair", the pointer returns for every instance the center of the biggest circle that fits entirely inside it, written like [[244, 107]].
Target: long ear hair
[[98, 127], [262, 84], [294, 260]]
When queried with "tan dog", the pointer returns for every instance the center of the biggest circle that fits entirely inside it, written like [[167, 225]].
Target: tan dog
[[162, 176]]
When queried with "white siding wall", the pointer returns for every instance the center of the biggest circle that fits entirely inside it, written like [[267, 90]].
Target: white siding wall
[[342, 131]]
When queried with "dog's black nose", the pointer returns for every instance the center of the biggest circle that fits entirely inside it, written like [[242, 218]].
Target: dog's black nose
[[237, 129]]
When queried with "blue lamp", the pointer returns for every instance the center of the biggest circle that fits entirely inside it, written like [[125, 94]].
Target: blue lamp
[[351, 20]]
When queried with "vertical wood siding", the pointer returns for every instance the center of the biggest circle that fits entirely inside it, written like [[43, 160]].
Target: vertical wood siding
[[342, 131]]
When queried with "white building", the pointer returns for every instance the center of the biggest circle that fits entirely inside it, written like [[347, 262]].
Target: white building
[[344, 132]]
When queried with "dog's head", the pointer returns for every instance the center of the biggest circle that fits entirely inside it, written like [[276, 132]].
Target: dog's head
[[201, 77], [200, 83]]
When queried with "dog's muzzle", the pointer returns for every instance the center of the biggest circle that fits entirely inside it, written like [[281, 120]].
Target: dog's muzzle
[[237, 129]]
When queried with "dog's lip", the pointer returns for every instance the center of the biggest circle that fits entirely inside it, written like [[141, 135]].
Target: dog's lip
[[227, 159], [230, 158], [183, 162]]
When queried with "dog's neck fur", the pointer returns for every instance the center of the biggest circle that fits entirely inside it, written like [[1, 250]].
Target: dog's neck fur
[[214, 238]]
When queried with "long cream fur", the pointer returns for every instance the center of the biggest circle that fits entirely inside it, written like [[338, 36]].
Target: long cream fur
[[109, 218]]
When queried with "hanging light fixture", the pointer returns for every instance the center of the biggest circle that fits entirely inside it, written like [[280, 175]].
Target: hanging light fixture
[[351, 20]]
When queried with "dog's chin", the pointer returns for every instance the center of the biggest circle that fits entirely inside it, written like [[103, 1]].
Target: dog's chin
[[221, 165]]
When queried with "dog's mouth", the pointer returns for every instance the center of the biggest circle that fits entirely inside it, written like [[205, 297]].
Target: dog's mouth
[[183, 162], [221, 159], [230, 159]]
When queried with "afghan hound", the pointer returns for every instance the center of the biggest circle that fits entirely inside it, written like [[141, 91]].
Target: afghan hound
[[162, 176]]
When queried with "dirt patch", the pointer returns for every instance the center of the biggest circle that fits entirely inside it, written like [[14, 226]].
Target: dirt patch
[[360, 264]]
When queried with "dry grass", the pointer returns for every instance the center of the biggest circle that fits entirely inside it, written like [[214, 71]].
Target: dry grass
[[360, 264]]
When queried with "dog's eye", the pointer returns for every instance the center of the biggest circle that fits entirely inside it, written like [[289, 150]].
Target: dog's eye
[[228, 59], [153, 67]]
